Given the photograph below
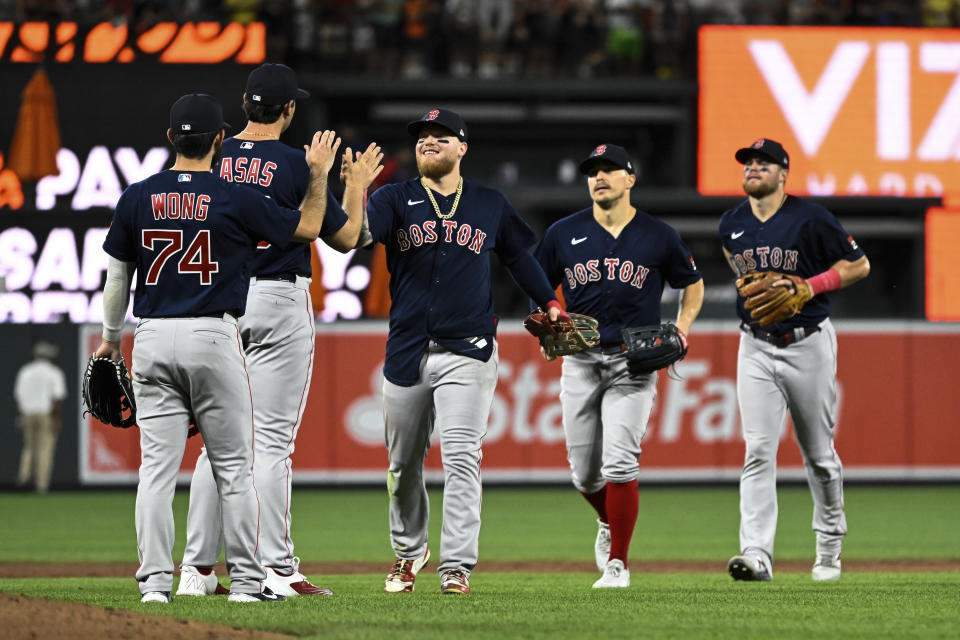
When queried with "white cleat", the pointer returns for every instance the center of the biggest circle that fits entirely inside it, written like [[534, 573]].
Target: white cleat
[[601, 548], [264, 596], [162, 597], [826, 568], [750, 568], [292, 584], [615, 575], [194, 583]]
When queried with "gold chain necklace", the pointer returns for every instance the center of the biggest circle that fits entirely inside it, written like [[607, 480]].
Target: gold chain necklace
[[436, 207], [262, 135]]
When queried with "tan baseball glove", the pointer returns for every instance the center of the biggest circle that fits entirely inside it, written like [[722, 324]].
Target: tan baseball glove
[[565, 336], [772, 297]]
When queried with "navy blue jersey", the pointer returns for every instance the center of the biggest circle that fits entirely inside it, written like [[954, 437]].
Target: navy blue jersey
[[440, 285], [192, 237], [801, 238], [281, 172], [619, 281]]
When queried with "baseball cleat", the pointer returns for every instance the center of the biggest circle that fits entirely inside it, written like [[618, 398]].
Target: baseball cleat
[[293, 584], [826, 568], [157, 596], [454, 581], [194, 583], [615, 575], [751, 568], [601, 548], [404, 573], [267, 595]]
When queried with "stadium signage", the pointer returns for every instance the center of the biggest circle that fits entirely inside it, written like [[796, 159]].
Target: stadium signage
[[862, 111]]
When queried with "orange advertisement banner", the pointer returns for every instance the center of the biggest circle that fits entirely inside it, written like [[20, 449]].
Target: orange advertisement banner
[[169, 42], [694, 432], [943, 264], [860, 111]]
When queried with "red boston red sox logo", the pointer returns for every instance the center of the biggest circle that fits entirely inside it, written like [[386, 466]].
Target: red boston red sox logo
[[758, 144], [599, 151], [433, 115]]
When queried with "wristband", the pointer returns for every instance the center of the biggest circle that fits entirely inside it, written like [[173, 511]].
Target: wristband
[[829, 280]]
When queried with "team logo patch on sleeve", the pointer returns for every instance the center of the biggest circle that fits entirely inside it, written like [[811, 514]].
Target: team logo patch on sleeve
[[693, 265], [852, 243], [184, 177]]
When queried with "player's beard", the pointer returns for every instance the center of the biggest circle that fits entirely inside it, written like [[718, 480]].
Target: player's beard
[[759, 189], [435, 167], [608, 200]]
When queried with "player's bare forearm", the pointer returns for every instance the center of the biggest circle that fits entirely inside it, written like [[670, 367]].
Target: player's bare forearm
[[358, 174], [320, 155], [312, 209], [691, 301], [733, 266], [366, 237], [851, 272]]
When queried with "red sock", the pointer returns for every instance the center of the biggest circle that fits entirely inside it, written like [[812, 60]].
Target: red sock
[[204, 571], [598, 501], [623, 505]]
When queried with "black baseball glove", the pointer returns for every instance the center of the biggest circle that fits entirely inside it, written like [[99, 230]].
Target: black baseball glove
[[653, 347], [108, 392]]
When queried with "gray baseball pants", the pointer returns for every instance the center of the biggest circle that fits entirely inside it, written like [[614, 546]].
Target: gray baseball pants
[[278, 333], [453, 395], [182, 365], [605, 414], [801, 377]]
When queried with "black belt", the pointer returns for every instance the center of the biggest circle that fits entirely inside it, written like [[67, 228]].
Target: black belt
[[781, 339], [286, 277], [611, 349]]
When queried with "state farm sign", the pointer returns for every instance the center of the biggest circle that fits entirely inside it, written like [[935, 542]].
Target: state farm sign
[[693, 433], [861, 111]]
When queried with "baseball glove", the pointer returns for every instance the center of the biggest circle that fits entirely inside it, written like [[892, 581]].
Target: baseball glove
[[653, 347], [565, 336], [770, 303], [108, 392]]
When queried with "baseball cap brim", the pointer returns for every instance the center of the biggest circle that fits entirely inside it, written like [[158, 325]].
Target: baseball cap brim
[[587, 164], [744, 155], [302, 93], [414, 127]]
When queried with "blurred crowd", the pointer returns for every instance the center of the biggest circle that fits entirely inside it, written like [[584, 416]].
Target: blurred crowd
[[492, 38]]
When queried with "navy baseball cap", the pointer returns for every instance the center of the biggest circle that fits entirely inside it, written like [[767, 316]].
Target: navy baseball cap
[[610, 153], [447, 119], [273, 84], [196, 113], [765, 148]]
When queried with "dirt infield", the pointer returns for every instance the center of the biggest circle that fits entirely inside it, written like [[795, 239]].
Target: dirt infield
[[19, 614], [23, 618]]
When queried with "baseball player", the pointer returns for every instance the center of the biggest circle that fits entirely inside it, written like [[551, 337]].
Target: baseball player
[[189, 237], [789, 365], [441, 361], [277, 332], [613, 262]]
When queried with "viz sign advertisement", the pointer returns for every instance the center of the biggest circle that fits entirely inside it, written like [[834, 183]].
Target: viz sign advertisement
[[860, 111]]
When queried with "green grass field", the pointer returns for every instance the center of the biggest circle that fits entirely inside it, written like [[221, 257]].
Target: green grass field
[[543, 524]]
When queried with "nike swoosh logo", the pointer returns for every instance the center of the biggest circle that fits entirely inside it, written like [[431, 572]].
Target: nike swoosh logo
[[578, 240], [413, 202], [734, 236]]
